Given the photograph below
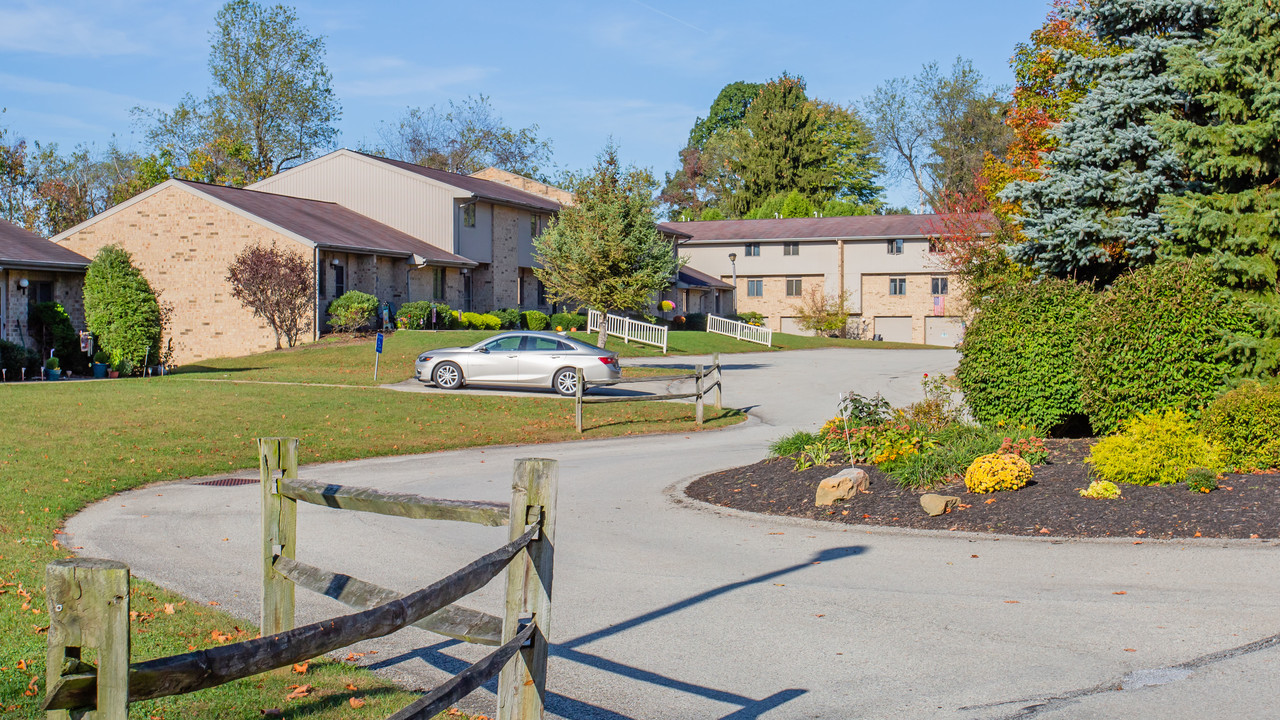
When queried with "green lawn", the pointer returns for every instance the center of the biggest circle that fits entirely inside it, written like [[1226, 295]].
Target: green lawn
[[66, 445], [342, 360]]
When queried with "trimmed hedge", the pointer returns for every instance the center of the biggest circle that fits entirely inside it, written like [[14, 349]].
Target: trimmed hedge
[[1158, 339], [1018, 356], [352, 311], [476, 321], [535, 320], [567, 321], [510, 318], [417, 315]]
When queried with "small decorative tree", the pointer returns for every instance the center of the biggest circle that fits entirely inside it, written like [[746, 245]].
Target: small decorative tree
[[822, 313], [604, 251], [278, 286], [121, 309]]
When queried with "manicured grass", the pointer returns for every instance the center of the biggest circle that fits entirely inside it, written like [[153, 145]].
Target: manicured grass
[[343, 360], [69, 444]]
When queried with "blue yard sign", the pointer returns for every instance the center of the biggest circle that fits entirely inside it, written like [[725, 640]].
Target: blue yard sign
[[379, 343], [376, 357]]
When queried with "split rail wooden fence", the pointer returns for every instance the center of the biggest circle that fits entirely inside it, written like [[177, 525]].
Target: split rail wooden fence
[[89, 603], [700, 388]]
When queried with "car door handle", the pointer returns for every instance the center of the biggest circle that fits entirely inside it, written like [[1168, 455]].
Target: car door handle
[[555, 357], [511, 356]]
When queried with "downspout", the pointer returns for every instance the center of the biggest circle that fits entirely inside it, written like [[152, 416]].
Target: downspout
[[316, 324]]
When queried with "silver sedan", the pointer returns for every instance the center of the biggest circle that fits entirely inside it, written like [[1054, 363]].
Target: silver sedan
[[527, 359]]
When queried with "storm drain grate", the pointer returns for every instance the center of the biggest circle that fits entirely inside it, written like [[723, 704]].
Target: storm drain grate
[[229, 482]]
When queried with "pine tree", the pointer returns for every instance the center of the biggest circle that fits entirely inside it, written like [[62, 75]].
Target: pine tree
[[781, 149], [1230, 140], [1096, 210]]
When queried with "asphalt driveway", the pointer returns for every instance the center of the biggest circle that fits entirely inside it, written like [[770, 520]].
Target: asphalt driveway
[[665, 608]]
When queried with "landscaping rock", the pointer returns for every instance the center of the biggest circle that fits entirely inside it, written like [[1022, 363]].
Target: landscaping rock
[[938, 504], [842, 486]]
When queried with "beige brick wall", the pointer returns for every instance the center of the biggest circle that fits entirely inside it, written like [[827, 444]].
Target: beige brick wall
[[183, 244], [504, 272], [775, 304], [916, 303]]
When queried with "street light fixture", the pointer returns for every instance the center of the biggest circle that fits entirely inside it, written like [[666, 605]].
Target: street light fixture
[[733, 263]]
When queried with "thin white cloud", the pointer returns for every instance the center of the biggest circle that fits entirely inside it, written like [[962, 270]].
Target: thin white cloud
[[56, 29], [393, 77], [669, 16], [100, 100]]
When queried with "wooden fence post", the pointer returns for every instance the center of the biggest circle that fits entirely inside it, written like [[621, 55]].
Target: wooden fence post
[[577, 403], [697, 387], [278, 458], [89, 608], [715, 361], [522, 684]]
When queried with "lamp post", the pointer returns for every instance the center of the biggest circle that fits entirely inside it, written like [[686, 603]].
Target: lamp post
[[733, 263]]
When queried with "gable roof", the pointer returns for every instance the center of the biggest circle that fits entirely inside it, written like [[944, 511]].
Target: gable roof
[[479, 187], [314, 223], [21, 248], [697, 278], [848, 227]]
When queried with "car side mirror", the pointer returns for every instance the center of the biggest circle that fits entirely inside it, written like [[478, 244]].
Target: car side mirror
[[483, 350]]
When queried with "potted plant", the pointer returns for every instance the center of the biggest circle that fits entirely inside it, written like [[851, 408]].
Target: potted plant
[[51, 371], [117, 368], [100, 363]]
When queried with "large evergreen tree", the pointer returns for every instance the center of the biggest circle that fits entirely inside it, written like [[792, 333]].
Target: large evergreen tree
[[1230, 140], [1096, 210], [780, 147]]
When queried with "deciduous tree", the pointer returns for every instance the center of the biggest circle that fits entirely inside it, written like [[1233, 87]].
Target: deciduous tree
[[605, 251], [467, 137], [278, 286], [121, 309]]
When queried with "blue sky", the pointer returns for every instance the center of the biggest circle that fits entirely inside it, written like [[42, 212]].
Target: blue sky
[[640, 72]]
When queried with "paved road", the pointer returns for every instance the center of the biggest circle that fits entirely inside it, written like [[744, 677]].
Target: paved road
[[665, 608]]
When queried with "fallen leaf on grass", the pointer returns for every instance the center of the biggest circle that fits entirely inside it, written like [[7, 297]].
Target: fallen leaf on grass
[[298, 691], [356, 702], [454, 711], [352, 657], [32, 688], [301, 668], [351, 687], [22, 664], [168, 608], [214, 602]]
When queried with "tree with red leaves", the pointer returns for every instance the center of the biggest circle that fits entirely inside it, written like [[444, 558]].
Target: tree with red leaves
[[277, 285]]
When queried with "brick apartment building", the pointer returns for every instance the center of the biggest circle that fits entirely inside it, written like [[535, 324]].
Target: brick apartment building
[[34, 270]]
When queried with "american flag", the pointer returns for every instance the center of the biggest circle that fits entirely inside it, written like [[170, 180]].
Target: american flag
[[939, 305]]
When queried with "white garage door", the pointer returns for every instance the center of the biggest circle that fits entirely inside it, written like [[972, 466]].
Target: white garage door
[[791, 326], [943, 330], [893, 329]]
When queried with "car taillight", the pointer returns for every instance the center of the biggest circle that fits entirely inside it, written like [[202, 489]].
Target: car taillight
[[609, 360]]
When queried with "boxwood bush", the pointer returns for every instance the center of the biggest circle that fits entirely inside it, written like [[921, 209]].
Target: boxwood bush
[[535, 320], [1158, 338], [352, 311], [510, 318], [1018, 356], [1245, 423], [567, 321]]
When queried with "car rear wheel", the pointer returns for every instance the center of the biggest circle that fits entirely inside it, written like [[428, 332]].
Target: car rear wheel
[[566, 382], [447, 376]]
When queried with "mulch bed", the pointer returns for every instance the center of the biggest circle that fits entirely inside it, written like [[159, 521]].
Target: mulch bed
[[1243, 506]]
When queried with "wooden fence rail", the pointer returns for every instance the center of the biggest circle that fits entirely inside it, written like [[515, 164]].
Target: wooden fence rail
[[89, 602], [700, 389]]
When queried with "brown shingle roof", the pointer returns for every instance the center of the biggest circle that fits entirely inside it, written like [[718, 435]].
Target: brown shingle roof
[[855, 226], [697, 278], [19, 247], [487, 189], [327, 224]]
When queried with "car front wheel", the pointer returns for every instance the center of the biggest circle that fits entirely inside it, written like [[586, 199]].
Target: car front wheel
[[566, 382], [447, 376]]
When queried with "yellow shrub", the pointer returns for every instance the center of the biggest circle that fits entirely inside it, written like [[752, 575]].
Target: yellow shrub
[[997, 471], [1101, 490]]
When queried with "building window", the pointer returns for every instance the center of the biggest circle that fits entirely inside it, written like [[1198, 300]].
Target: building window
[[939, 286], [791, 248], [898, 286], [794, 287], [437, 283], [935, 245], [895, 247], [755, 288], [339, 280], [469, 215], [751, 250], [320, 280], [41, 292], [542, 294], [533, 225]]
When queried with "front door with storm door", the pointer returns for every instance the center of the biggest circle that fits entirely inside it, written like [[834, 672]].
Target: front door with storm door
[[497, 361], [542, 357]]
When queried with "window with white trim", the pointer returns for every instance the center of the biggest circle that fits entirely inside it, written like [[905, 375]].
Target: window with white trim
[[755, 288], [898, 286], [794, 287]]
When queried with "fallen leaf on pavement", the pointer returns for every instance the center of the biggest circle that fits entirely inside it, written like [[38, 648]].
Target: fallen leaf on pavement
[[1011, 602], [1120, 592]]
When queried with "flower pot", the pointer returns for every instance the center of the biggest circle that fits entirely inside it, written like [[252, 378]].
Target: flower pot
[[53, 374], [99, 371], [113, 374]]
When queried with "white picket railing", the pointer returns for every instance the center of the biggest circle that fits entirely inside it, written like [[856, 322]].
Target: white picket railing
[[628, 329], [739, 330]]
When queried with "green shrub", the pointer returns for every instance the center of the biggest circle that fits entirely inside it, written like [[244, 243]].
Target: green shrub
[[1245, 424], [535, 320], [52, 329], [14, 357], [509, 318], [417, 315], [1018, 356], [567, 321], [1202, 480], [1157, 339], [791, 444], [750, 318], [938, 409], [695, 321], [51, 364], [860, 410], [352, 311], [489, 321], [102, 357], [477, 321], [1155, 448], [121, 309], [956, 447]]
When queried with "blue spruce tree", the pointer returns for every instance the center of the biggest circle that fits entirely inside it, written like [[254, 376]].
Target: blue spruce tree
[[1095, 210]]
